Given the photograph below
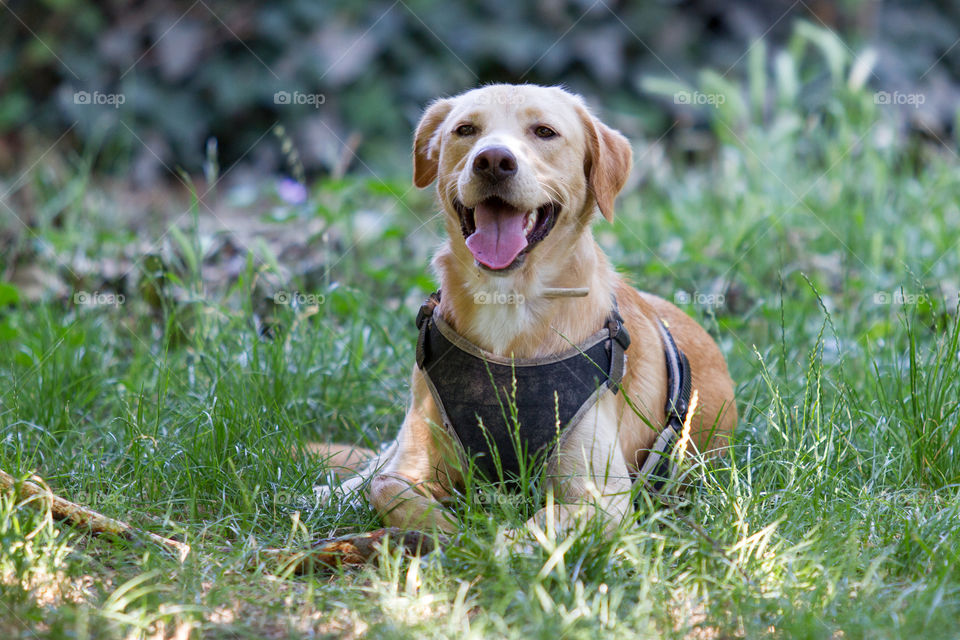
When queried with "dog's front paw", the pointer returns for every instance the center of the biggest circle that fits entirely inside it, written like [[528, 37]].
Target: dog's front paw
[[347, 494]]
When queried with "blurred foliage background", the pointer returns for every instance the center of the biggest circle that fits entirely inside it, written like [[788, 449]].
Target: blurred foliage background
[[196, 71], [145, 140]]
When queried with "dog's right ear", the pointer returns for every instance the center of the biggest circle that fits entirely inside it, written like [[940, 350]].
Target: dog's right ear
[[426, 149]]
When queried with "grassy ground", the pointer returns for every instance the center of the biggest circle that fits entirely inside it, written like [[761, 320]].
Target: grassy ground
[[820, 248]]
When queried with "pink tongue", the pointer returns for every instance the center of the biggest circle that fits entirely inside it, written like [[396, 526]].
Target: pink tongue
[[499, 237]]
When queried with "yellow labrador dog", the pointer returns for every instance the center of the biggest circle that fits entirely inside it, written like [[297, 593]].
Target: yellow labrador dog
[[534, 340]]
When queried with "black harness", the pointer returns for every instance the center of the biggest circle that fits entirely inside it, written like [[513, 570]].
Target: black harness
[[660, 466], [483, 397]]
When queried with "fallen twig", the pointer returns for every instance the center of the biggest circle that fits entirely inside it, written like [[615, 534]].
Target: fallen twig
[[80, 516]]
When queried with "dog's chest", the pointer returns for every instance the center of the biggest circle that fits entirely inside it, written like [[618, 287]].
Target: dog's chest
[[496, 326]]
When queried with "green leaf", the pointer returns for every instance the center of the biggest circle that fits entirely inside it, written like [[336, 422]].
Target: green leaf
[[788, 82], [663, 86], [756, 66], [833, 49]]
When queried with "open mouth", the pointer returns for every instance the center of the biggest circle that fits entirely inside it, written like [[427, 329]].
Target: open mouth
[[499, 234]]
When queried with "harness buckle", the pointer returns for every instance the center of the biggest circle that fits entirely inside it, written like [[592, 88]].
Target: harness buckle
[[426, 309], [618, 331], [423, 316]]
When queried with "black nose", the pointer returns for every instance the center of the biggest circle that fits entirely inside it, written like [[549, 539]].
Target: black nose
[[495, 163]]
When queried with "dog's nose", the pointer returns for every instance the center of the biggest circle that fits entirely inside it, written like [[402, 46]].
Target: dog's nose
[[495, 163]]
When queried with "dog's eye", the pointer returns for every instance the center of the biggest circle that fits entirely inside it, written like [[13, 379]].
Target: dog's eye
[[465, 130], [544, 132]]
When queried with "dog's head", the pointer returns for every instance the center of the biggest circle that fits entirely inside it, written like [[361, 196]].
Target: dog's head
[[520, 169]]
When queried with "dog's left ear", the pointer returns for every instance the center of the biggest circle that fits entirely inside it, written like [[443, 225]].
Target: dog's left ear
[[609, 158], [425, 142]]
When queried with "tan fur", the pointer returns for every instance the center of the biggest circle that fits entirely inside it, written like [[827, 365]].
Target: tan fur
[[583, 169], [343, 460]]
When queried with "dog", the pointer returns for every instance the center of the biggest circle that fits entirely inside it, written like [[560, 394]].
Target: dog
[[521, 172]]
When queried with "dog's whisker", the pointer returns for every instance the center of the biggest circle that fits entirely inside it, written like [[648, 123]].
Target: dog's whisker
[[552, 192]]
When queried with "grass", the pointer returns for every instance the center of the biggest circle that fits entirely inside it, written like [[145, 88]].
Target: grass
[[817, 243]]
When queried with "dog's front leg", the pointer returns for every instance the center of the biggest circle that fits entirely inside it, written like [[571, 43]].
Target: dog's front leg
[[588, 476], [406, 489], [405, 503], [349, 489]]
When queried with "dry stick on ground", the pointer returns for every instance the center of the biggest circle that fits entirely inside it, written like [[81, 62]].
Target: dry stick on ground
[[330, 553], [87, 518]]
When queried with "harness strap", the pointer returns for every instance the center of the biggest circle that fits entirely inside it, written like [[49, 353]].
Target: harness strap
[[619, 342], [423, 315], [660, 467], [619, 337]]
